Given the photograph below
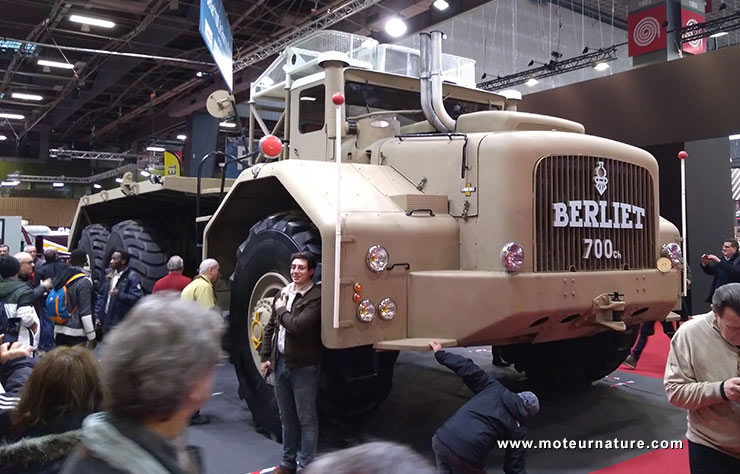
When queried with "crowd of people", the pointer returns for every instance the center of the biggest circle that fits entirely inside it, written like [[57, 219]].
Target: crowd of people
[[62, 410]]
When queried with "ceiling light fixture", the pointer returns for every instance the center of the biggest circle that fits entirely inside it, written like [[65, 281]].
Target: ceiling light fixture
[[441, 4], [532, 82], [601, 66], [144, 173], [119, 180], [227, 124], [14, 182], [735, 137], [396, 27], [719, 35], [156, 148], [97, 186], [182, 137], [60, 65], [58, 185], [22, 96], [86, 20], [3, 138], [12, 116]]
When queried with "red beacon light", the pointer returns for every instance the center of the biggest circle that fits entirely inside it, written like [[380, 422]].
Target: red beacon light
[[271, 146], [337, 98], [683, 155]]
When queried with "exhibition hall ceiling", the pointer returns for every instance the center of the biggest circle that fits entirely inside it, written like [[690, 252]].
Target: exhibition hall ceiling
[[106, 102]]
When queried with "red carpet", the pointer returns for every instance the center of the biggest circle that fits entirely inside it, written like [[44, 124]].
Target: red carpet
[[674, 461], [653, 359]]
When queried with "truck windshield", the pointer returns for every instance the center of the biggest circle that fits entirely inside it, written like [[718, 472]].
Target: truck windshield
[[363, 98]]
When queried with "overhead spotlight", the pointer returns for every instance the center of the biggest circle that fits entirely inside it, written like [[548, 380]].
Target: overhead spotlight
[[156, 149], [483, 76], [203, 74], [532, 82], [556, 54], [22, 96], [441, 4], [396, 27], [182, 137], [144, 173], [722, 6], [12, 116], [585, 50], [119, 180], [531, 63], [10, 183], [3, 138], [601, 66], [60, 65], [97, 186], [58, 185], [227, 124], [86, 20]]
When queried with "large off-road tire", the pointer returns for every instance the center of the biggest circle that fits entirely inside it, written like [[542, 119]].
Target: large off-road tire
[[93, 241], [262, 269], [572, 363], [147, 247]]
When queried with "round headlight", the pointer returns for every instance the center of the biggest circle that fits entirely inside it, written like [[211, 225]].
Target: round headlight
[[366, 311], [673, 252], [387, 309], [377, 258], [512, 256]]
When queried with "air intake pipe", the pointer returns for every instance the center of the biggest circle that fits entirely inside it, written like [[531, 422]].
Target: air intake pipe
[[425, 84], [436, 79]]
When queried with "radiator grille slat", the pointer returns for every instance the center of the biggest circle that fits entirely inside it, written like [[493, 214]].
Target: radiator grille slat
[[565, 178]]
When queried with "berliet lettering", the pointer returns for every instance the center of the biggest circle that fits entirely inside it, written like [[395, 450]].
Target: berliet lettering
[[618, 215]]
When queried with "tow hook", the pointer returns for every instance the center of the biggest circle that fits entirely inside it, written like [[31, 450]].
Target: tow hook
[[608, 309]]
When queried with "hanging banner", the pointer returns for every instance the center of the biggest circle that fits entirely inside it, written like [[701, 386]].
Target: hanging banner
[[216, 32], [688, 18], [646, 30]]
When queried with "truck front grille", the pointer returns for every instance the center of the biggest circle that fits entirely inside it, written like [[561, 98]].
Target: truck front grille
[[568, 180]]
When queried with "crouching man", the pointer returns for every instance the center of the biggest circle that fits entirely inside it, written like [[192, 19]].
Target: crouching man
[[494, 414]]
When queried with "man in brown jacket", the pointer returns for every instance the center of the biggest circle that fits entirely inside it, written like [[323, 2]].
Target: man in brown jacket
[[702, 376], [292, 348]]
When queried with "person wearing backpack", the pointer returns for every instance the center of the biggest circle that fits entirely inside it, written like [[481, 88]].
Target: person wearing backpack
[[69, 305], [17, 311]]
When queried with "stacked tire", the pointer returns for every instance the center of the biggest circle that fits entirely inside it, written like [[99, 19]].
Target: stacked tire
[[146, 245]]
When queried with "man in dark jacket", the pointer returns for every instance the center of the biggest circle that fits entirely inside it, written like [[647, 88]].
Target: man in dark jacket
[[493, 414], [725, 269], [291, 346], [18, 300], [119, 292], [79, 328]]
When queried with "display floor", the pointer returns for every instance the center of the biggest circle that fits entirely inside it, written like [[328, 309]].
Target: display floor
[[627, 405]]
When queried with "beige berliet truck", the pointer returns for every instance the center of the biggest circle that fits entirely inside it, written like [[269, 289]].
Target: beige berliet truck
[[460, 219]]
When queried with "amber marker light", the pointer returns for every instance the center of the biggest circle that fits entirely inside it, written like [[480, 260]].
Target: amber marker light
[[358, 288], [357, 297]]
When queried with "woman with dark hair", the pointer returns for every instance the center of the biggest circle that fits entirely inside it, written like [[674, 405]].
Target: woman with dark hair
[[62, 390]]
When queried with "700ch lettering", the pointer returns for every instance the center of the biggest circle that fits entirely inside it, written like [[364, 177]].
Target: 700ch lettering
[[600, 249]]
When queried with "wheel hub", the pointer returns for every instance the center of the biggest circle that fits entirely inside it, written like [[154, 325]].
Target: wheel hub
[[260, 310]]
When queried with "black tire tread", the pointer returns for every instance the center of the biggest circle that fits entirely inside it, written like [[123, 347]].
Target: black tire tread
[[93, 241], [147, 246]]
